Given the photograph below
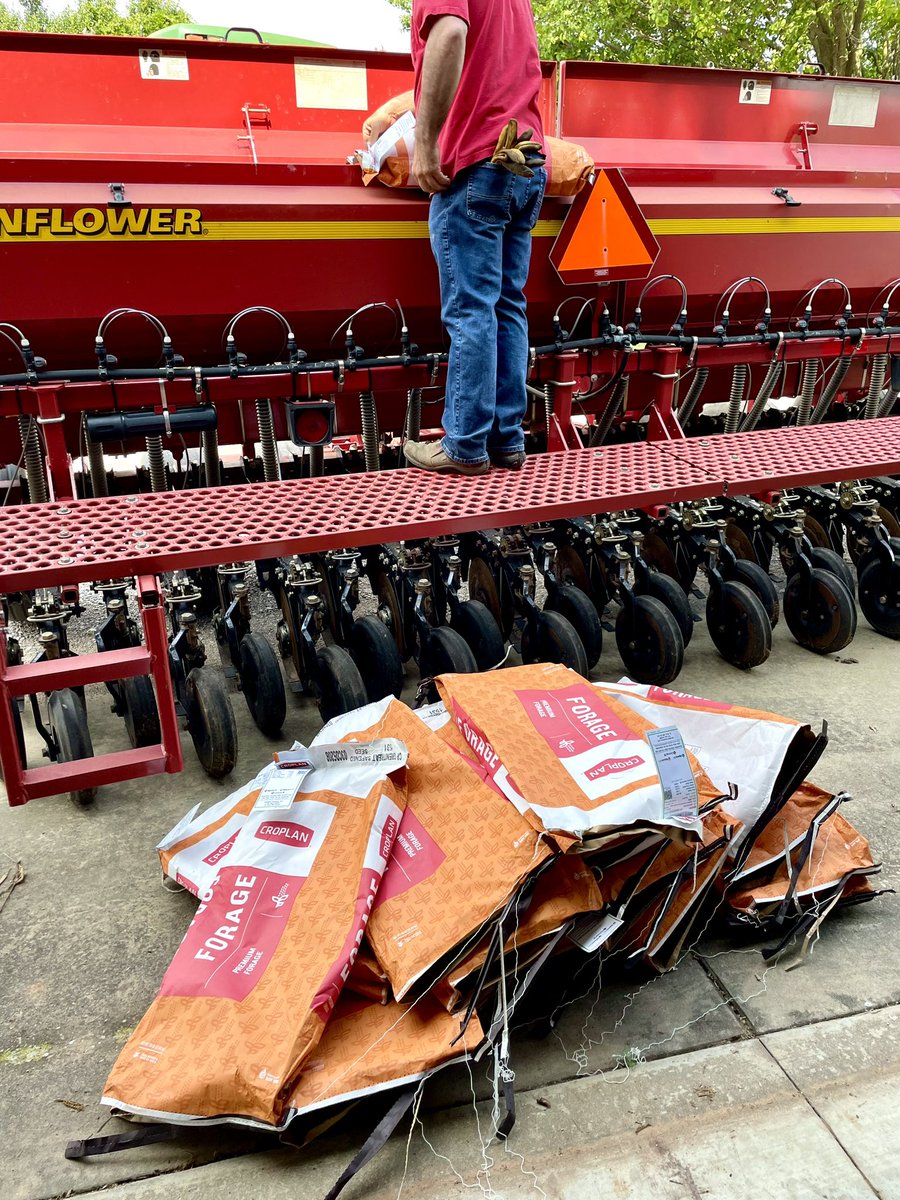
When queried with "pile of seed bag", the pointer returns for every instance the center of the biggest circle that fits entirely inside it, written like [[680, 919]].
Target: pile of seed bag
[[373, 907]]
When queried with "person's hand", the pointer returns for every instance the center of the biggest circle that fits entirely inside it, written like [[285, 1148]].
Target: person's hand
[[427, 167], [375, 127]]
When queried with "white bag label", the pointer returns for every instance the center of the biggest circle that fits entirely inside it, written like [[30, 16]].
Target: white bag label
[[680, 797]]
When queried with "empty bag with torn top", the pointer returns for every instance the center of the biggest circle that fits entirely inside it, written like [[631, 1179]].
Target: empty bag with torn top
[[255, 979], [461, 853], [573, 760]]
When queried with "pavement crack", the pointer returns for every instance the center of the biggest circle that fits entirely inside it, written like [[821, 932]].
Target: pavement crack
[[823, 1119], [749, 1031]]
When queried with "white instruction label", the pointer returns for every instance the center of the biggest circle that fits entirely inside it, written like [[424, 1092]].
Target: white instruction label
[[857, 106], [679, 788], [293, 766], [755, 91], [157, 65], [280, 789], [331, 85], [373, 158], [590, 933]]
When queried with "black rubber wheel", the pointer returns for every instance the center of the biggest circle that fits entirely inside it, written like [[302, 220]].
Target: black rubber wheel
[[262, 684], [141, 716], [872, 556], [826, 621], [483, 588], [446, 653], [481, 633], [740, 628], [390, 608], [879, 596], [339, 684], [752, 575], [670, 592], [582, 615], [68, 724], [373, 649], [650, 643], [557, 642], [827, 559], [211, 721]]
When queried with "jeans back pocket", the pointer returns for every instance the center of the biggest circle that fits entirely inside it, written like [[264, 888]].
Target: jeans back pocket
[[489, 192]]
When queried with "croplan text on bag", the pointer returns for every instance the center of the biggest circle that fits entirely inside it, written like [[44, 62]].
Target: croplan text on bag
[[247, 995]]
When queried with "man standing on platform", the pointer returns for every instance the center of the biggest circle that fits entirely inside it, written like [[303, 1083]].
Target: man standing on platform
[[478, 81]]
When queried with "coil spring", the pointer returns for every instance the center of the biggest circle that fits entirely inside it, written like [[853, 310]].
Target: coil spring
[[158, 481], [887, 404], [753, 416], [369, 422], [831, 389], [689, 404], [413, 415], [808, 380], [600, 431], [548, 405], [876, 385], [212, 476], [736, 398], [96, 465], [316, 460], [34, 461], [271, 466]]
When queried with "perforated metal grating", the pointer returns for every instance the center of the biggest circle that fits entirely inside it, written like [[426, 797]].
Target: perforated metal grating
[[86, 540], [769, 459]]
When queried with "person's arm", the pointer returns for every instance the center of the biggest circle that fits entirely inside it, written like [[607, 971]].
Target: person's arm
[[442, 65]]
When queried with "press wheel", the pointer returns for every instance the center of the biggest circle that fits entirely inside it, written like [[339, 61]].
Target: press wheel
[[579, 611], [556, 641], [373, 649], [483, 588], [141, 717], [338, 683], [738, 625], [389, 607], [670, 592], [879, 595], [827, 559], [262, 684], [820, 612], [476, 625], [649, 640], [68, 724], [211, 722], [751, 574]]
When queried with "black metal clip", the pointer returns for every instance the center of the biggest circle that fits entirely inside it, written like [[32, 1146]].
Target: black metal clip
[[783, 194]]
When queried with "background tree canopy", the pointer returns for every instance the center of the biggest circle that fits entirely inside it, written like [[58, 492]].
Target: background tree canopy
[[846, 37], [93, 16]]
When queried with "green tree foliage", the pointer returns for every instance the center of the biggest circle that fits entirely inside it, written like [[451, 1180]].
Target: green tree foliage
[[845, 37], [142, 17]]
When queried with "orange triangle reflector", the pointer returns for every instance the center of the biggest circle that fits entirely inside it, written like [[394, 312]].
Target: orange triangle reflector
[[604, 237]]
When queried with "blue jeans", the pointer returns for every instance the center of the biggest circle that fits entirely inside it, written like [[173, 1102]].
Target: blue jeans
[[481, 239]]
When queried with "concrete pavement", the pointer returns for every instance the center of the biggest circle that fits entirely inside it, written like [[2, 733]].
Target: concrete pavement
[[756, 1083]]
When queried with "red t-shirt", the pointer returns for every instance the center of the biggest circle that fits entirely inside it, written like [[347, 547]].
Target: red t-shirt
[[501, 75]]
